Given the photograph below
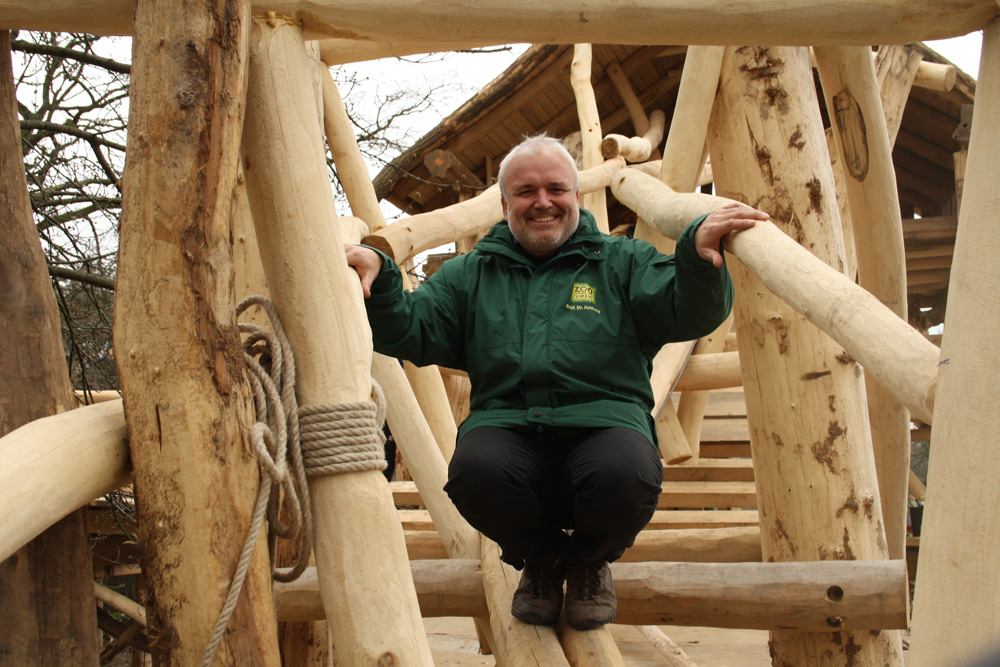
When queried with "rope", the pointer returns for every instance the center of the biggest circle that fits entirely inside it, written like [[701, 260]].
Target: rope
[[292, 443]]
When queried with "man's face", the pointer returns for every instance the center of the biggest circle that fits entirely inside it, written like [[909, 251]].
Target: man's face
[[541, 206]]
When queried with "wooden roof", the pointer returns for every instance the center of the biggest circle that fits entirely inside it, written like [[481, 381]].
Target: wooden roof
[[460, 156]]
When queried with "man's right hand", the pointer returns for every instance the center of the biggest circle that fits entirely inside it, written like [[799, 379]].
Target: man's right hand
[[366, 262]]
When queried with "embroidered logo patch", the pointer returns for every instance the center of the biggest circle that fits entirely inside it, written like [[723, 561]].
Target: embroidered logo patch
[[582, 293]]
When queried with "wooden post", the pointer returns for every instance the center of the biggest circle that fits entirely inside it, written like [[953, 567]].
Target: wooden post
[[691, 407], [683, 154], [303, 644], [46, 595], [347, 156], [427, 464], [367, 592], [429, 389], [590, 129], [804, 397], [958, 588], [851, 90], [187, 400]]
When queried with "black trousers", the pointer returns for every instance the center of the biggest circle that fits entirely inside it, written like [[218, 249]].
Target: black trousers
[[524, 489]]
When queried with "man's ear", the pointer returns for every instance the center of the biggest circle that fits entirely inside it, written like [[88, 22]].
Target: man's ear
[[503, 205]]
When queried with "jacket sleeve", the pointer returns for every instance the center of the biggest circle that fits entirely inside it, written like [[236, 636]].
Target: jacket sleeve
[[678, 297], [423, 326]]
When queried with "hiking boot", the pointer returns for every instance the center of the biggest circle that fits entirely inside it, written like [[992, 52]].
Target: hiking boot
[[538, 598], [590, 596]]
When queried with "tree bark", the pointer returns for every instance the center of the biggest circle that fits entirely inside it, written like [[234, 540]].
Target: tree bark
[[805, 401], [46, 594], [187, 399], [958, 589]]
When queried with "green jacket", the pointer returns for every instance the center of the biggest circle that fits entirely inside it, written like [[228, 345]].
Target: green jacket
[[564, 344]]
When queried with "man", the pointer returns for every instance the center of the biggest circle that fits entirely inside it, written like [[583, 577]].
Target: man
[[557, 325]]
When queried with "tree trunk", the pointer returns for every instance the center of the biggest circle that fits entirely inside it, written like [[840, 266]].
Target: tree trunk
[[816, 486], [187, 399], [46, 590], [958, 588], [360, 555]]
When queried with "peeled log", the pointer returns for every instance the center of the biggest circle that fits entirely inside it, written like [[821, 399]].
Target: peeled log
[[816, 596], [805, 400], [854, 318], [64, 461], [955, 613], [720, 370], [590, 129], [405, 238], [862, 142], [371, 593], [699, 545], [806, 22]]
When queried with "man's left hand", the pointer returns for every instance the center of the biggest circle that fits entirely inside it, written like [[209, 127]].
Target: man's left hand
[[727, 219]]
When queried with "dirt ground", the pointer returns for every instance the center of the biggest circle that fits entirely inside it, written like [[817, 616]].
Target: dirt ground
[[453, 643]]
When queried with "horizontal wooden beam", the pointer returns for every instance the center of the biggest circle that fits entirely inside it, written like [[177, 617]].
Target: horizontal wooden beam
[[739, 544], [886, 346], [674, 495], [63, 462], [802, 23], [662, 519], [820, 596]]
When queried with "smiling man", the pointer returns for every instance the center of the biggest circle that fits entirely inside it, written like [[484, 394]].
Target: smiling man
[[557, 325]]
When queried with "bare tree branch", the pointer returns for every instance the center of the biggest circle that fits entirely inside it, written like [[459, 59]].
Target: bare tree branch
[[61, 52], [82, 277]]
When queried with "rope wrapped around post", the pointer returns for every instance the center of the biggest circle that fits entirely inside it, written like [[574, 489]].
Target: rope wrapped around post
[[291, 444]]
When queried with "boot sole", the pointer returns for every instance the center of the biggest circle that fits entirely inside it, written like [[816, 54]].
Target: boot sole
[[593, 624], [535, 619]]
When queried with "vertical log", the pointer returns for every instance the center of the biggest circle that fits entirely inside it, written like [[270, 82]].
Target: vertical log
[[428, 387], [957, 602], [691, 407], [851, 91], [302, 643], [896, 68], [46, 589], [683, 154], [187, 399], [347, 156], [590, 129], [815, 477], [365, 579], [683, 158]]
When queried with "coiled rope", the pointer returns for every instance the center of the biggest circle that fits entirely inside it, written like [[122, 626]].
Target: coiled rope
[[292, 444]]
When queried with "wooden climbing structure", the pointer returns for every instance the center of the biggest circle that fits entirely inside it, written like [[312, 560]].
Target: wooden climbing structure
[[786, 513]]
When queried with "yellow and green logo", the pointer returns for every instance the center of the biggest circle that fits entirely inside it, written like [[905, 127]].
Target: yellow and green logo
[[583, 293]]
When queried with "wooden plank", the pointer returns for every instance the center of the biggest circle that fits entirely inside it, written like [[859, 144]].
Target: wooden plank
[[662, 519], [711, 470], [687, 494]]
